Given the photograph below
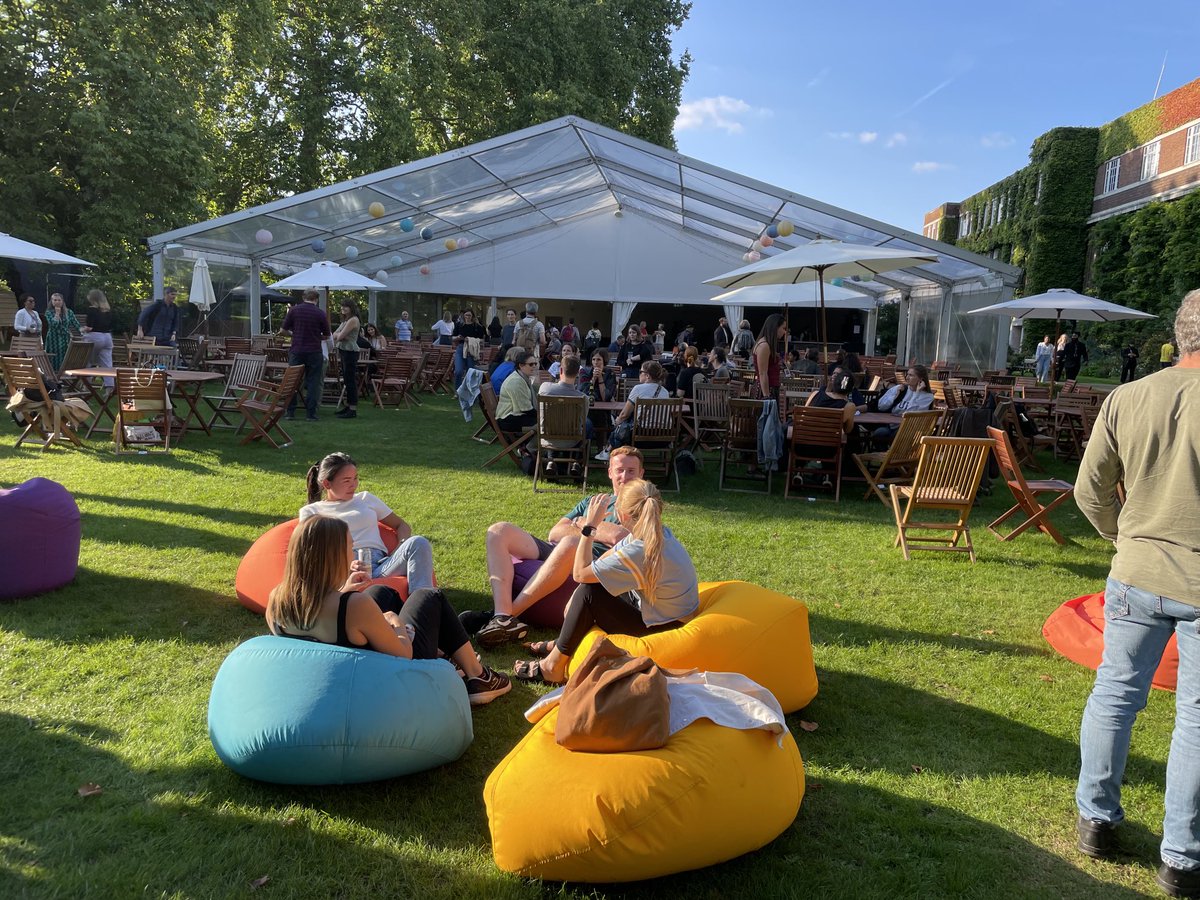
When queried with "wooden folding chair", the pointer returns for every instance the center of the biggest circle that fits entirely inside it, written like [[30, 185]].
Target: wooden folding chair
[[510, 444], [144, 411], [23, 343], [740, 447], [898, 463], [393, 381], [42, 418], [1023, 446], [817, 436], [264, 405], [234, 345], [562, 444], [78, 355], [1025, 493], [947, 478], [656, 427], [710, 414], [247, 371]]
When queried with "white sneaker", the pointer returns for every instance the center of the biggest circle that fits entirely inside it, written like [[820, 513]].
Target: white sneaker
[[602, 456]]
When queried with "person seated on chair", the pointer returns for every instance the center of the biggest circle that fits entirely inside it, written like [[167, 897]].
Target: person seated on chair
[[568, 350], [516, 407], [506, 541], [649, 387], [323, 598], [506, 368], [336, 478], [566, 386], [812, 363], [645, 584], [688, 374], [837, 395], [722, 371], [915, 395]]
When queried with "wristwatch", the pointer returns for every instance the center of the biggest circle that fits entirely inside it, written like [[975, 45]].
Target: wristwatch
[[588, 530]]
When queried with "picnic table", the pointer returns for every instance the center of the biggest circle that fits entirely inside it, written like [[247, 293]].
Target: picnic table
[[185, 383]]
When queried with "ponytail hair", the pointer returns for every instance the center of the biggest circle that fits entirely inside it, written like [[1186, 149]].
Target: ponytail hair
[[326, 470], [640, 503]]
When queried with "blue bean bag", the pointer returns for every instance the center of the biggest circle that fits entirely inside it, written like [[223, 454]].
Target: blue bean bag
[[41, 549], [296, 712]]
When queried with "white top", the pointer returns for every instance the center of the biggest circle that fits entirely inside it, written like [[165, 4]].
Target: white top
[[1044, 351], [913, 401], [443, 328], [27, 322], [648, 390], [677, 594], [362, 513]]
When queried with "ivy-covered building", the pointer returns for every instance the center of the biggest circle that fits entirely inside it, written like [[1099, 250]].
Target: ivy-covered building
[[1113, 211]]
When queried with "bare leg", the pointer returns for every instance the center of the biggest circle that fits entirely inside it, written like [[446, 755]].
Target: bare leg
[[554, 666], [504, 541], [467, 660], [552, 574]]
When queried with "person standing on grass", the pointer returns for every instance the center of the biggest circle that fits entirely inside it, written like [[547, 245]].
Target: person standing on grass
[[309, 327], [1145, 439], [160, 320], [27, 322], [61, 326], [404, 327], [1074, 355], [1165, 355], [324, 598], [345, 341], [1042, 357]]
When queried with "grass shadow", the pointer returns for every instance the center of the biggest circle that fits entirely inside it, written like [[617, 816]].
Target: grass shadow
[[225, 514], [852, 633]]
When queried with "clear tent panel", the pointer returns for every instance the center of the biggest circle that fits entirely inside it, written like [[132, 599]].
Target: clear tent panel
[[632, 158], [924, 321], [239, 236], [648, 189], [438, 183], [972, 339], [740, 196], [573, 181], [749, 228], [533, 154], [578, 206], [336, 210], [806, 218], [736, 241], [505, 227], [491, 206], [650, 209]]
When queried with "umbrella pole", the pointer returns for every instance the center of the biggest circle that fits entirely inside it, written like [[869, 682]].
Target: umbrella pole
[[824, 326], [1054, 356]]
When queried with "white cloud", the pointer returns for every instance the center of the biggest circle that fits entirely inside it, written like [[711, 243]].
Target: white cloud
[[816, 80], [926, 166], [867, 137], [863, 137], [997, 139], [717, 113], [896, 139]]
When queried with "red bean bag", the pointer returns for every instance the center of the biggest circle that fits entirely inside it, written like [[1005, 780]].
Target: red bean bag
[[261, 568], [547, 612], [1076, 630], [40, 552]]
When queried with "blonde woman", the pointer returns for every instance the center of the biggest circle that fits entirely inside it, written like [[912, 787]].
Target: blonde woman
[[61, 324], [645, 584], [320, 600]]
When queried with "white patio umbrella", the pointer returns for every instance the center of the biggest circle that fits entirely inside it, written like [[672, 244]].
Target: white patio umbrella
[[328, 275], [15, 248], [820, 260], [1060, 303], [201, 293]]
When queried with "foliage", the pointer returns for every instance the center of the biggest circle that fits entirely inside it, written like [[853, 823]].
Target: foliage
[[943, 765], [887, 329], [125, 120], [1143, 124]]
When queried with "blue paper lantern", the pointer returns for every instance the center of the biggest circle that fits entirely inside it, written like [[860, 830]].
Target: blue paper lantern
[[406, 225], [397, 261], [772, 231], [318, 246], [838, 282], [351, 252], [426, 233]]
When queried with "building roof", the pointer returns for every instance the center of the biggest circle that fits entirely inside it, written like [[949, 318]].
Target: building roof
[[567, 184]]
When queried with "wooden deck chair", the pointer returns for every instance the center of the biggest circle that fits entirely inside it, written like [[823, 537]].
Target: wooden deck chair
[[947, 478], [817, 436], [510, 444], [393, 381], [562, 444], [247, 371], [42, 418], [1025, 493], [235, 345], [1023, 446], [78, 354], [144, 411], [898, 463], [656, 427], [141, 356], [740, 448], [1073, 415], [264, 405], [23, 343], [710, 414]]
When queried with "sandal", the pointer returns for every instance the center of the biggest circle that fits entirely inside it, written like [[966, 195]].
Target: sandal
[[539, 648], [530, 670]]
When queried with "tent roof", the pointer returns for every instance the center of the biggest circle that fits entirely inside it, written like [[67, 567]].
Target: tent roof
[[542, 179]]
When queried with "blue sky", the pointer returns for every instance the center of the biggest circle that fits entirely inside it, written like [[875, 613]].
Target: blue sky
[[890, 109]]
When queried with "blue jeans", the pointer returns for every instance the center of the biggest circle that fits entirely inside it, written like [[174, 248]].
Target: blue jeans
[[1043, 369], [1138, 625], [413, 559], [462, 362], [314, 366]]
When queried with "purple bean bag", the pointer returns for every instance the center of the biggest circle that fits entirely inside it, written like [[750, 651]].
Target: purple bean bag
[[42, 552], [547, 612]]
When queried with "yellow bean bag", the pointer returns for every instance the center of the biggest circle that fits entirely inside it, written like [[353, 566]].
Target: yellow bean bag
[[743, 628], [712, 793]]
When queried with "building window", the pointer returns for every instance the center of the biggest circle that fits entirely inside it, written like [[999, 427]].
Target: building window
[[1037, 192], [1149, 161], [965, 228], [1112, 172], [1191, 152], [1000, 211]]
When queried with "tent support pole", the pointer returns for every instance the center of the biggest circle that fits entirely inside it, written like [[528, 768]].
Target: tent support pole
[[255, 299]]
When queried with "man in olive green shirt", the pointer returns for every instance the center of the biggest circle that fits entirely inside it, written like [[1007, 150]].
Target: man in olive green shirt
[[1146, 438]]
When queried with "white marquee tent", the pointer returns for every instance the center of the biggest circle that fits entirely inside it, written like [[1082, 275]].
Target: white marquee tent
[[576, 211]]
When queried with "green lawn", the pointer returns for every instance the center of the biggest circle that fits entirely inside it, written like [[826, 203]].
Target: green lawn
[[944, 761]]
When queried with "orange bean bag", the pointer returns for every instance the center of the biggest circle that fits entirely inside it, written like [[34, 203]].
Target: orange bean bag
[[1076, 630], [261, 568]]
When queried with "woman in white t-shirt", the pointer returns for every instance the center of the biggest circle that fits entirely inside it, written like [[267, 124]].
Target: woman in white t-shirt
[[649, 387], [645, 584], [335, 479], [443, 328]]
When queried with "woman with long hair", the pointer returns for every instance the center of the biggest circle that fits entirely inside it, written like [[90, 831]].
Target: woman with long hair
[[687, 375], [373, 338], [323, 598], [914, 395], [333, 491], [466, 352], [766, 356], [645, 584], [345, 340], [61, 324], [98, 331], [649, 387]]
